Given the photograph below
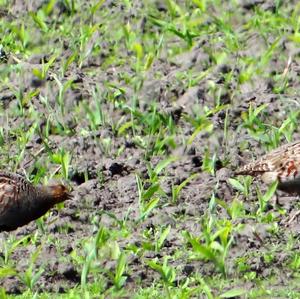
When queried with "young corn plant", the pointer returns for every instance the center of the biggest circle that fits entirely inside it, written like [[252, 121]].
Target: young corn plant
[[253, 123], [62, 89], [22, 35], [168, 274], [243, 184], [42, 73], [286, 130], [234, 209], [63, 158], [159, 129], [22, 140], [148, 200], [95, 112], [9, 246], [263, 199], [213, 243], [176, 189], [119, 277], [30, 277], [92, 254], [156, 238], [188, 31], [24, 99], [209, 163], [85, 46], [150, 192]]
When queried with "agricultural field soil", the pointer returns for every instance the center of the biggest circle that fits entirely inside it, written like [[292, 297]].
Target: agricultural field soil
[[145, 109]]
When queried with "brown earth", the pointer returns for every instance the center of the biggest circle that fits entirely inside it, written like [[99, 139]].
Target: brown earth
[[116, 191]]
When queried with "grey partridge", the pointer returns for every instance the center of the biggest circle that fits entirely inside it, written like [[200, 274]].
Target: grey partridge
[[282, 164], [21, 202]]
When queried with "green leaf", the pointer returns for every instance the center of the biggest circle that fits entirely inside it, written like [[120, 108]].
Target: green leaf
[[119, 279], [163, 164], [149, 193], [206, 126], [178, 188], [201, 4], [233, 293], [236, 184], [124, 127], [6, 271], [163, 237], [149, 61], [270, 192], [95, 7], [149, 206], [138, 48], [39, 21]]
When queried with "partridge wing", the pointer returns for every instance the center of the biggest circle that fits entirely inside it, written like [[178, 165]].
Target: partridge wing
[[13, 190], [278, 160], [8, 194]]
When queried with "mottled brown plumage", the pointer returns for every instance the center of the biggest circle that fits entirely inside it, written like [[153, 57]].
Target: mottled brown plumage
[[282, 164], [21, 202]]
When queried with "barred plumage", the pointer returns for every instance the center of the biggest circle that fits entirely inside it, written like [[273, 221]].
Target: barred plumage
[[21, 202], [282, 164]]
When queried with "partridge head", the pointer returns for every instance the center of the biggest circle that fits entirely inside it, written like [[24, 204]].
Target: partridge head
[[281, 164], [21, 202]]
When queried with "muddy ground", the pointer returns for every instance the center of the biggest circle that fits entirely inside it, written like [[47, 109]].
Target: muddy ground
[[104, 180]]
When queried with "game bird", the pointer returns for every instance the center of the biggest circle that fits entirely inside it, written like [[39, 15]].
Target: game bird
[[281, 164], [21, 202]]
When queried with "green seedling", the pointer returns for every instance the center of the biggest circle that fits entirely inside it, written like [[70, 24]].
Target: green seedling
[[146, 198], [201, 126], [243, 186], [63, 158], [68, 62], [8, 248], [86, 34], [168, 273], [149, 197], [234, 209], [42, 74], [156, 238], [295, 263], [209, 163], [155, 172], [286, 130], [39, 20], [213, 244], [263, 199], [63, 87], [252, 122], [70, 6], [187, 34], [31, 277], [24, 99], [95, 112], [94, 8], [99, 241], [161, 237], [176, 189], [22, 34], [120, 279]]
